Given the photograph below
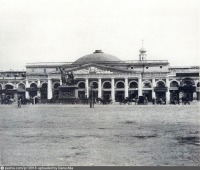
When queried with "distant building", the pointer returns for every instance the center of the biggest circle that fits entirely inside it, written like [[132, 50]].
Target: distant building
[[112, 78]]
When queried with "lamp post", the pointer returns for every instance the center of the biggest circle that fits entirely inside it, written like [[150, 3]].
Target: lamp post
[[91, 100]]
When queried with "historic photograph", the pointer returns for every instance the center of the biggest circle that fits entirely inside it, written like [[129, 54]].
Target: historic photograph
[[99, 83]]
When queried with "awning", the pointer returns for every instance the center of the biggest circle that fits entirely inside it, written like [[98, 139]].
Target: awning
[[160, 89], [32, 89], [173, 88], [3, 91], [21, 90]]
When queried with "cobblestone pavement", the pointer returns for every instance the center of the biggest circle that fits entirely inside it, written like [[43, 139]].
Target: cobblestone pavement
[[104, 135]]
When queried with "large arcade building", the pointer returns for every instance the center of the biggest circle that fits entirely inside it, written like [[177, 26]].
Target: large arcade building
[[107, 76]]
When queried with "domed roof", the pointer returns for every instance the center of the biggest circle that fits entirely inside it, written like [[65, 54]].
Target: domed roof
[[97, 56], [142, 50]]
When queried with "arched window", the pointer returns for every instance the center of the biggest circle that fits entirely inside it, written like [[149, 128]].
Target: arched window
[[21, 86], [8, 86], [1, 87], [160, 84], [173, 84], [44, 86], [198, 84], [107, 85], [133, 85], [33, 85], [56, 85], [120, 85], [146, 84], [81, 85], [44, 91], [95, 84], [187, 82]]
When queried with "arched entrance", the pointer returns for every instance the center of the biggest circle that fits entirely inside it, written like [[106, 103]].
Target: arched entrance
[[160, 90], [9, 89], [106, 90], [187, 87], [173, 89], [43, 91], [81, 90], [33, 90], [133, 92], [119, 94], [56, 90], [21, 92], [93, 92], [147, 90]]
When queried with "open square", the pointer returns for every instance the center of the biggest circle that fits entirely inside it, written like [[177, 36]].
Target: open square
[[105, 135]]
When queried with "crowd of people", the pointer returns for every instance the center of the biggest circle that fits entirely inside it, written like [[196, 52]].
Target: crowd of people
[[141, 100]]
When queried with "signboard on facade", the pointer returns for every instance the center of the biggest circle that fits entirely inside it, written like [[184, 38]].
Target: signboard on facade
[[32, 89], [187, 74]]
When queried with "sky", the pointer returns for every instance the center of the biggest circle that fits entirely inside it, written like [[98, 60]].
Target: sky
[[65, 30]]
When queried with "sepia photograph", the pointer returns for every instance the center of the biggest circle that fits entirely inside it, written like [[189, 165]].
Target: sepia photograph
[[99, 84]]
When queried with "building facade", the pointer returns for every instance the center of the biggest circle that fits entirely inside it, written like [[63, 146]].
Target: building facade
[[107, 76]]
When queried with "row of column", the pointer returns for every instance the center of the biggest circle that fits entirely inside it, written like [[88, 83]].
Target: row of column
[[50, 93], [49, 90], [126, 88]]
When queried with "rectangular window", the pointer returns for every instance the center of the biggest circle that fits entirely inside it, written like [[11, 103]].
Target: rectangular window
[[45, 70], [32, 70]]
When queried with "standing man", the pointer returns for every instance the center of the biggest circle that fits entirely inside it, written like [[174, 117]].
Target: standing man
[[19, 103]]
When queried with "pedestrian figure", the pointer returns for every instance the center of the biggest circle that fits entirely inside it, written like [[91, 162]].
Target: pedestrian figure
[[153, 101], [146, 100], [187, 101], [19, 103], [161, 101], [136, 101]]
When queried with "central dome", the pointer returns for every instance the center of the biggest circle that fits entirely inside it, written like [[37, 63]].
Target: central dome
[[96, 57]]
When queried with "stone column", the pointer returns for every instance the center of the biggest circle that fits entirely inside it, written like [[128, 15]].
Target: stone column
[[15, 86], [87, 87], [49, 92], [60, 82], [167, 93], [38, 85], [126, 87], [27, 93], [139, 86], [99, 88], [3, 85], [153, 85], [113, 90]]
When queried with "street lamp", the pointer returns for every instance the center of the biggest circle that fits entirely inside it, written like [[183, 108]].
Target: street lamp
[[91, 100]]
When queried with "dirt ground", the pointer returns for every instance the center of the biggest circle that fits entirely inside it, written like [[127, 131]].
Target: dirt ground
[[124, 135]]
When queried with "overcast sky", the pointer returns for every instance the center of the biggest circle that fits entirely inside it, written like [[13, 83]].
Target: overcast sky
[[64, 30]]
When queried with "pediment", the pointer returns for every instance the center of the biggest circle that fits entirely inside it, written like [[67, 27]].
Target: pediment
[[92, 70], [95, 69]]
